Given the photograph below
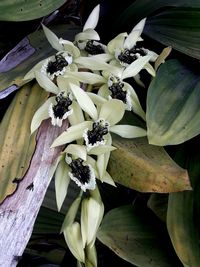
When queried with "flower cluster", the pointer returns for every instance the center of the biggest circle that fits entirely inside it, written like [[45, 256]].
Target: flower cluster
[[93, 116]]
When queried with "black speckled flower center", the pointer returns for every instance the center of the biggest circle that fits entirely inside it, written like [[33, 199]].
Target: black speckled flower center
[[129, 56], [94, 48], [97, 132], [62, 106], [57, 65], [117, 91], [81, 172]]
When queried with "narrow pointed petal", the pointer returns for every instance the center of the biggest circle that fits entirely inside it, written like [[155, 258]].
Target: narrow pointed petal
[[135, 67], [31, 74], [140, 26], [128, 131], [116, 43], [77, 115], [93, 19], [138, 80], [84, 101], [112, 111], [52, 38], [88, 34], [91, 256], [97, 99], [41, 114], [86, 77], [73, 133], [70, 47], [131, 39], [101, 150], [74, 241], [46, 83], [108, 179], [77, 150], [161, 58], [94, 62], [62, 180], [150, 69]]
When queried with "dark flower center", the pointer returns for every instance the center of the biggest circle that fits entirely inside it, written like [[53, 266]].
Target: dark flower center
[[94, 48], [97, 132], [81, 172], [62, 106], [57, 65], [117, 91], [128, 56]]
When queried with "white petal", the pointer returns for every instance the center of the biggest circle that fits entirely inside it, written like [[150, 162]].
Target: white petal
[[86, 77], [97, 99], [138, 80], [104, 91], [101, 150], [77, 150], [117, 43], [62, 180], [41, 114], [84, 101], [52, 38], [73, 133], [46, 83], [150, 69], [88, 34], [139, 26], [112, 111], [77, 115], [31, 74], [131, 39], [93, 19], [135, 67], [128, 131], [108, 179], [70, 47]]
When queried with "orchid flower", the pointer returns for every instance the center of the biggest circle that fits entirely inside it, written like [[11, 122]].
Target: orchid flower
[[126, 49]]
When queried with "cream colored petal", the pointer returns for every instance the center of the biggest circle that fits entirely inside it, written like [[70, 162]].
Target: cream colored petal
[[94, 62], [74, 241], [77, 115], [52, 38], [93, 19], [138, 80], [131, 39], [150, 69], [135, 67], [108, 179], [161, 58], [86, 77], [91, 256], [104, 91], [128, 131], [62, 180], [88, 34], [97, 99], [77, 150], [101, 150], [31, 74], [46, 83], [112, 111], [70, 47], [116, 43], [140, 26], [84, 101], [41, 114], [153, 55], [73, 133]]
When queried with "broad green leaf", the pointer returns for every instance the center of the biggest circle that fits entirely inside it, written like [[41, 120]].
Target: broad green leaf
[[20, 10], [132, 237], [179, 28], [158, 203], [26, 54], [183, 209], [141, 9], [173, 108], [145, 168], [16, 142]]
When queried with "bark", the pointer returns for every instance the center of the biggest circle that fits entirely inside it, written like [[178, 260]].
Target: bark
[[19, 211]]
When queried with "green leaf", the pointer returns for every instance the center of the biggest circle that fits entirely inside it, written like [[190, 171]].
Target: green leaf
[[20, 10], [158, 203], [179, 28], [140, 9], [145, 168], [16, 142], [173, 108], [183, 209], [132, 237], [28, 53]]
